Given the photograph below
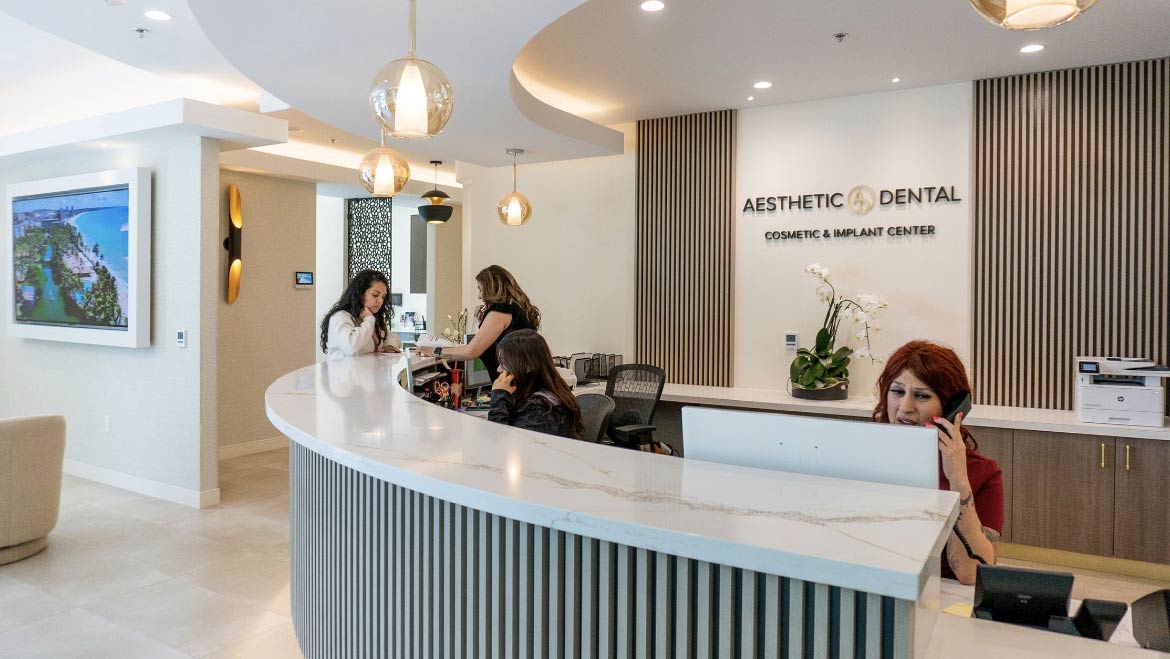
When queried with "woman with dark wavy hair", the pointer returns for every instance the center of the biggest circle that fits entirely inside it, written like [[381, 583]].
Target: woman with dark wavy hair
[[919, 378], [505, 309], [357, 324], [529, 393]]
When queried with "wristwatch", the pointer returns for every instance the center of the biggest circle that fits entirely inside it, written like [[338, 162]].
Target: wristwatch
[[438, 351]]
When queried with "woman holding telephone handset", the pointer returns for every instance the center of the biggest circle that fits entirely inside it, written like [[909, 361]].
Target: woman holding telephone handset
[[357, 323], [925, 384]]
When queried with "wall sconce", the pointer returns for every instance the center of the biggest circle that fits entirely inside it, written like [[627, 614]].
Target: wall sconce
[[234, 242], [435, 212], [514, 208]]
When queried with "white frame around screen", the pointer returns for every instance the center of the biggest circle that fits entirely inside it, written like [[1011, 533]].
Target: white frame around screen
[[137, 332]]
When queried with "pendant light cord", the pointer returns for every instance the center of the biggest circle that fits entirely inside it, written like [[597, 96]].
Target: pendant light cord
[[410, 54], [513, 172]]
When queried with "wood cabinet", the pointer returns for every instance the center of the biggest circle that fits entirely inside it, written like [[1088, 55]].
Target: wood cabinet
[[1063, 491], [996, 443], [1142, 524]]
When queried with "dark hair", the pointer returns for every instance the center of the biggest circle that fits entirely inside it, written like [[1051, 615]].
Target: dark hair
[[498, 286], [353, 300], [525, 355], [937, 366]]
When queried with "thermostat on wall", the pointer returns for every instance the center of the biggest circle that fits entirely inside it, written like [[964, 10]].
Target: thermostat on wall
[[791, 340], [303, 279]]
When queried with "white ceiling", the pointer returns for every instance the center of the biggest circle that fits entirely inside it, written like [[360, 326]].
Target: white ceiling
[[610, 62]]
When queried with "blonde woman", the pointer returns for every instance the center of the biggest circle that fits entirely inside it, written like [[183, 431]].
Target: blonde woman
[[505, 309]]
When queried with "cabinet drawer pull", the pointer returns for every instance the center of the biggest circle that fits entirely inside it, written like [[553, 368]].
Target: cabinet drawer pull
[[1102, 455], [1127, 457]]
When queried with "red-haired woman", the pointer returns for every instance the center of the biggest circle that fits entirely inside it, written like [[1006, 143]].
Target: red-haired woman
[[917, 381]]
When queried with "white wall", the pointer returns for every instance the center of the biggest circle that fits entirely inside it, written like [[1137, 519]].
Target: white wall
[[160, 404], [330, 281], [909, 138], [574, 258]]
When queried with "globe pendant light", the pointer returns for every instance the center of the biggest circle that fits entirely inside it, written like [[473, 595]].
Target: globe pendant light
[[384, 172], [435, 212], [514, 208], [411, 97], [1031, 14]]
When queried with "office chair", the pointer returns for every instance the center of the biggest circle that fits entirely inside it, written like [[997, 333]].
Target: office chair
[[595, 411], [635, 390]]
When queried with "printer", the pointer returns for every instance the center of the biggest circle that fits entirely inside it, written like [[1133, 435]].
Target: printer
[[1122, 390]]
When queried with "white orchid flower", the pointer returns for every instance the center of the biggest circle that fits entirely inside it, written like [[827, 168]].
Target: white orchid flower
[[862, 353]]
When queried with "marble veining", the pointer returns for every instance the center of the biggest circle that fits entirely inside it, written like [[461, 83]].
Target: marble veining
[[866, 536]]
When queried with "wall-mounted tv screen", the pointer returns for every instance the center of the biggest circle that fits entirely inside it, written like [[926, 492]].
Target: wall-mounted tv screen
[[80, 258]]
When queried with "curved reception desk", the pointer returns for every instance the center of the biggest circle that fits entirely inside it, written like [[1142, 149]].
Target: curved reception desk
[[417, 531]]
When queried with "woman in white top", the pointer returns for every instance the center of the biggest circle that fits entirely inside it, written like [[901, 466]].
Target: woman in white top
[[357, 323]]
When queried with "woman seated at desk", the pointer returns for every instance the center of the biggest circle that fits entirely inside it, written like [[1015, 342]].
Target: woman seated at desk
[[916, 382], [529, 393], [356, 324], [505, 309]]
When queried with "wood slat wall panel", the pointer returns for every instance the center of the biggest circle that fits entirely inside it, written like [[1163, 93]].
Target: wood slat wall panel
[[1071, 226], [685, 246]]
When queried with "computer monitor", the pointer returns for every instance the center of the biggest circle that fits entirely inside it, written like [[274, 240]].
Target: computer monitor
[[477, 375], [1019, 596], [872, 452]]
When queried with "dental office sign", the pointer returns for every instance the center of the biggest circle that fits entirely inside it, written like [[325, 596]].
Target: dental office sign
[[861, 200]]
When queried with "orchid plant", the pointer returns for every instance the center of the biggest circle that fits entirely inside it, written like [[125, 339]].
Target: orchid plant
[[458, 329], [823, 367]]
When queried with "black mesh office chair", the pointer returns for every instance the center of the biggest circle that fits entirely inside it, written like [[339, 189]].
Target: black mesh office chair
[[595, 412], [635, 390]]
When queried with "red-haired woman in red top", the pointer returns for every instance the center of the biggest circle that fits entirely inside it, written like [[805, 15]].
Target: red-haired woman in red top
[[919, 378]]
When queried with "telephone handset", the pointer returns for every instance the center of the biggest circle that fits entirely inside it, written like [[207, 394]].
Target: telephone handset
[[960, 402]]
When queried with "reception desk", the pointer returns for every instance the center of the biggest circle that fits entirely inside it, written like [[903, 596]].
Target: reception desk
[[419, 531]]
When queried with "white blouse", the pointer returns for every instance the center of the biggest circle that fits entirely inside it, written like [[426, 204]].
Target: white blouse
[[349, 338]]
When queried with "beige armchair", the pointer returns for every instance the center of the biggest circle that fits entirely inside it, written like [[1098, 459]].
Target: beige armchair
[[32, 451]]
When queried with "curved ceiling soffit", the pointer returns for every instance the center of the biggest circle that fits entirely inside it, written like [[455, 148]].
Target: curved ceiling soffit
[[322, 58]]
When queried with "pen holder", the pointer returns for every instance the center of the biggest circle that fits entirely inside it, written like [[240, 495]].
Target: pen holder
[[456, 387]]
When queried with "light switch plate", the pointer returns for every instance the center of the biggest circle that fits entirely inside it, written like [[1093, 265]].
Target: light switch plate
[[181, 339]]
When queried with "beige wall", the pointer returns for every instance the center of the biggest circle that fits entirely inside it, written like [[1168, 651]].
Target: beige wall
[[262, 335], [445, 271], [574, 258], [160, 436]]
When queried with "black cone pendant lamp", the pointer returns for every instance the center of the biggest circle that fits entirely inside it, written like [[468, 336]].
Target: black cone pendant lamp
[[435, 212]]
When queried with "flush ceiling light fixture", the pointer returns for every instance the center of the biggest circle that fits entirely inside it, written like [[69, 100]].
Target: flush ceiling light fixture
[[384, 172], [411, 97], [234, 242], [1031, 14], [514, 208], [435, 212]]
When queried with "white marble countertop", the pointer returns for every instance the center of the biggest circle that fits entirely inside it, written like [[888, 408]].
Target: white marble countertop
[[986, 416], [866, 536]]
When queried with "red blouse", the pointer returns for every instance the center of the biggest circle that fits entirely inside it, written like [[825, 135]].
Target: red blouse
[[987, 487]]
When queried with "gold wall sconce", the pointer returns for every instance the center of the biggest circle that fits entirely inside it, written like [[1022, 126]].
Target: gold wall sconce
[[234, 242]]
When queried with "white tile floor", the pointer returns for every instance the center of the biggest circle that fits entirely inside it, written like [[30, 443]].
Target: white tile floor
[[127, 576]]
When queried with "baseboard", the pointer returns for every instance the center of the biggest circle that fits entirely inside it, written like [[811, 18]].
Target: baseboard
[[145, 486], [248, 448], [1107, 564]]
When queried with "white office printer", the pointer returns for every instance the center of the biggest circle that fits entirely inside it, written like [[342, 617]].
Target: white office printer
[[1121, 390]]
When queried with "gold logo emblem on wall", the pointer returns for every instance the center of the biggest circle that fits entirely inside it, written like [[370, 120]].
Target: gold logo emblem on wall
[[861, 199]]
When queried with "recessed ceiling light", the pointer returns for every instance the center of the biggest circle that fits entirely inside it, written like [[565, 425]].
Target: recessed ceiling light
[[295, 129], [1032, 48], [896, 80], [157, 15], [653, 5], [751, 98], [763, 84]]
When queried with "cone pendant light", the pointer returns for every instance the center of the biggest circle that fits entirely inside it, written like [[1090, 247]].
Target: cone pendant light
[[435, 212]]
